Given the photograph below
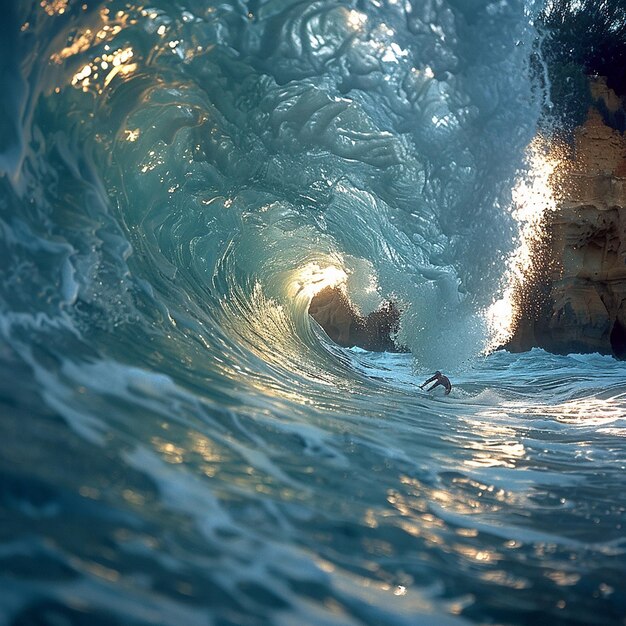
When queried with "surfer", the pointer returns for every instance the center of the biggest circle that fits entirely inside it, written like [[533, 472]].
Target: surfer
[[441, 380]]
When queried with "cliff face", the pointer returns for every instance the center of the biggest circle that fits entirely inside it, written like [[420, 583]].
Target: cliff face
[[580, 284]]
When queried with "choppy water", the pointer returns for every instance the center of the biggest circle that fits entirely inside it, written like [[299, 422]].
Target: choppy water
[[179, 442]]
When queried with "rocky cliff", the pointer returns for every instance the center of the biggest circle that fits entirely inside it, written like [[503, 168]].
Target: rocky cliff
[[576, 301], [575, 298], [334, 312]]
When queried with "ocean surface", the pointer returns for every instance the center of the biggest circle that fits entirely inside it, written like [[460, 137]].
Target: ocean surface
[[180, 443]]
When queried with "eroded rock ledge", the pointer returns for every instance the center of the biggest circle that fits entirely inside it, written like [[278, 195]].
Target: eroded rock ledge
[[577, 300], [334, 312]]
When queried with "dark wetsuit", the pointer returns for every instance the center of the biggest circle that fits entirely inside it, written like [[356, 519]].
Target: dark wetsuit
[[441, 380]]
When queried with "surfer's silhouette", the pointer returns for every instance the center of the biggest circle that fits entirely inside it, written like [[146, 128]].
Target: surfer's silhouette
[[441, 380]]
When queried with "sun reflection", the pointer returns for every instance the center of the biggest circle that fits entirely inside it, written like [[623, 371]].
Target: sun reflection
[[120, 66], [563, 579], [170, 452], [505, 579], [206, 448], [79, 44], [496, 453], [312, 278], [591, 411], [132, 134], [102, 68], [533, 197], [356, 20], [474, 554], [54, 7]]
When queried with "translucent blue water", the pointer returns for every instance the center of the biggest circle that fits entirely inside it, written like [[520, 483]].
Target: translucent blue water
[[179, 442]]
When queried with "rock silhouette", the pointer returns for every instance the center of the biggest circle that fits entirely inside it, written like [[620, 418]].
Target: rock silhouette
[[334, 312]]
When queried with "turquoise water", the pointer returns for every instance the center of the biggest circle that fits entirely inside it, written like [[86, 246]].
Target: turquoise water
[[180, 443]]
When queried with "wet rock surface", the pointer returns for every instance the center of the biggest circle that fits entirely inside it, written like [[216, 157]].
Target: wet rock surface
[[334, 312], [578, 300]]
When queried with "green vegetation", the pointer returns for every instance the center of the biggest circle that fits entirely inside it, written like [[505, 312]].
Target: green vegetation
[[581, 38]]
